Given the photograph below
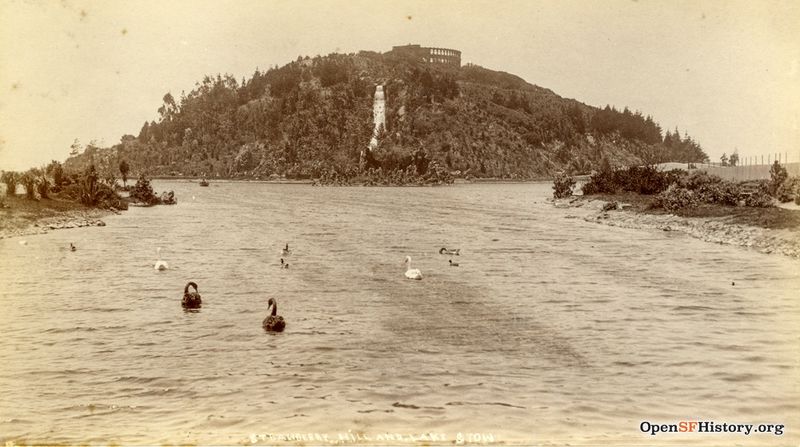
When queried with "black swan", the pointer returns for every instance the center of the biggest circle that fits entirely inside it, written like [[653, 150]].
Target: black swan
[[72, 247], [191, 300], [284, 264], [450, 251], [453, 264], [286, 251], [273, 322]]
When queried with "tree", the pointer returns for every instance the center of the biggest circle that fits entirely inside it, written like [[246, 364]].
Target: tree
[[56, 171], [28, 180], [124, 169], [724, 159], [143, 192], [75, 147], [10, 178], [734, 160], [778, 175], [43, 183]]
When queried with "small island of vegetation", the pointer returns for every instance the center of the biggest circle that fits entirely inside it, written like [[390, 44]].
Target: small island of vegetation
[[55, 198]]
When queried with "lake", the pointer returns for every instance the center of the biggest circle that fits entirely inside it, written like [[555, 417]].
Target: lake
[[551, 330]]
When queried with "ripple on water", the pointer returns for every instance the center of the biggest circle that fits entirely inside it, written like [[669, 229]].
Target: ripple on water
[[546, 318]]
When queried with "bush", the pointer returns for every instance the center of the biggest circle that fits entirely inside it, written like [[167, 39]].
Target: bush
[[789, 190], [88, 189], [142, 192], [28, 180], [723, 193], [43, 183], [759, 199], [10, 178], [639, 179], [563, 185], [676, 197], [601, 182], [778, 175]]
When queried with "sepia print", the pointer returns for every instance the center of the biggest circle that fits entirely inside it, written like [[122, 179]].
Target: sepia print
[[399, 222]]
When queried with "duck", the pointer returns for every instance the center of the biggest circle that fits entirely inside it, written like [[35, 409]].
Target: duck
[[273, 322], [160, 265], [286, 251], [450, 251], [412, 273], [72, 247], [284, 264], [453, 264], [191, 300]]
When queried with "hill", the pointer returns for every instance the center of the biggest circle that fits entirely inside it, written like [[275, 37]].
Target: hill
[[312, 118]]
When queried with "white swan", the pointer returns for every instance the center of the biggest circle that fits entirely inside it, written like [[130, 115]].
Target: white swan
[[160, 265], [412, 273]]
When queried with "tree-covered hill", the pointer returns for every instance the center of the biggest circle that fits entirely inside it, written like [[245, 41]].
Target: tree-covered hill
[[313, 117]]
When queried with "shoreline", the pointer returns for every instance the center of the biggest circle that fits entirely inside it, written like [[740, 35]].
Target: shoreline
[[38, 218], [785, 242]]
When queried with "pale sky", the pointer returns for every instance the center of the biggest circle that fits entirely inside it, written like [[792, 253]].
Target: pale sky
[[726, 72]]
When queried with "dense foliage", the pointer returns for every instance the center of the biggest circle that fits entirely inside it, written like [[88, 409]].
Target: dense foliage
[[313, 117], [143, 193], [563, 185], [638, 179]]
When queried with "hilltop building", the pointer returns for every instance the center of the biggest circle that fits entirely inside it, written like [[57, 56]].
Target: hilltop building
[[430, 55]]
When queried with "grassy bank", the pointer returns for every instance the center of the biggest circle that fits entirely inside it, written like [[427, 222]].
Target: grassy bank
[[21, 216], [769, 218]]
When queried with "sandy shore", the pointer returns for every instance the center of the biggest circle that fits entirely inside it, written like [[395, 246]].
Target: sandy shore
[[710, 229]]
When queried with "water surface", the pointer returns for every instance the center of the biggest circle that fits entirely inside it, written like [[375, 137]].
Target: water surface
[[551, 330]]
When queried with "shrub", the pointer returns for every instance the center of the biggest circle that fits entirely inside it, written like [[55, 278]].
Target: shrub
[[142, 192], [563, 185], [676, 197], [639, 179], [10, 178], [28, 180], [43, 183], [778, 175], [601, 182], [759, 199], [789, 190], [723, 193], [699, 179], [88, 187]]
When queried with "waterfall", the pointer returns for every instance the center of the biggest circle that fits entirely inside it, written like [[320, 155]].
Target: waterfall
[[378, 115]]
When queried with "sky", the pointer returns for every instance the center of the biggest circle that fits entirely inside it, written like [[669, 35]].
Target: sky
[[726, 72]]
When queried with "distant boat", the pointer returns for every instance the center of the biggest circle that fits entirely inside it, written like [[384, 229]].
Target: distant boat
[[203, 182]]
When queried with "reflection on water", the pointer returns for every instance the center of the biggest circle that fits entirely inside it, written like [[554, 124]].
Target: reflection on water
[[551, 329]]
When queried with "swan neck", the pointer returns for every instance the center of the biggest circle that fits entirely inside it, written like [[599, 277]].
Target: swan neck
[[274, 309]]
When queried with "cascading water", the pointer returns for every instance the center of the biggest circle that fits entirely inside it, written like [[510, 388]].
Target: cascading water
[[379, 115]]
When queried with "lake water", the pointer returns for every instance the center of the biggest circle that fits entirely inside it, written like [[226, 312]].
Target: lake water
[[552, 330]]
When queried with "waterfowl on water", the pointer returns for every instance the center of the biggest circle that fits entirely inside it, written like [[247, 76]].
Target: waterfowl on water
[[273, 322], [72, 247], [160, 265], [412, 273], [450, 251], [284, 264], [286, 251], [453, 264], [191, 300]]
